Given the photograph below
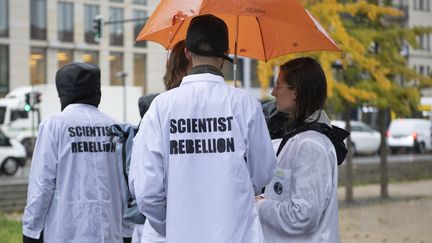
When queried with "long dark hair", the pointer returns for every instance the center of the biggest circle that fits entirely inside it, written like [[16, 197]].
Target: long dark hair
[[176, 67], [307, 77]]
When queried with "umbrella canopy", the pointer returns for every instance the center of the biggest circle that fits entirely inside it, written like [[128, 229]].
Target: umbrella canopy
[[260, 29]]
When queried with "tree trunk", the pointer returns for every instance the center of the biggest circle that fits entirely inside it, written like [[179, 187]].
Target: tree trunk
[[349, 196], [383, 153]]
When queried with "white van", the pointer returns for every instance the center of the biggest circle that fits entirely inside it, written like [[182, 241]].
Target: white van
[[12, 155], [410, 134]]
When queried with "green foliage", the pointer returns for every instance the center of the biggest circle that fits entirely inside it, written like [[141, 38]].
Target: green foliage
[[10, 230]]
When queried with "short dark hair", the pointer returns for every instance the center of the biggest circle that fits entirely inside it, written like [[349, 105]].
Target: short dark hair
[[308, 78], [207, 35]]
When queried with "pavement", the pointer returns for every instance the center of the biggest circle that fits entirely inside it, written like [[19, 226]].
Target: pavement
[[405, 217]]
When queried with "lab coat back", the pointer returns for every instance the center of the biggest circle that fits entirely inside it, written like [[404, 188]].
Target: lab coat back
[[74, 185], [214, 152]]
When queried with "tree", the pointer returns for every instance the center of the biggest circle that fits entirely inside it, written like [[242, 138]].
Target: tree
[[370, 66]]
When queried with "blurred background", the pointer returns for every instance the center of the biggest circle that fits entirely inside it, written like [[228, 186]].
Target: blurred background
[[379, 88]]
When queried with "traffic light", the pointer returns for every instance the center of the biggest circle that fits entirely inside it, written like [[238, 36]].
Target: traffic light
[[98, 23], [37, 97], [32, 99], [27, 106]]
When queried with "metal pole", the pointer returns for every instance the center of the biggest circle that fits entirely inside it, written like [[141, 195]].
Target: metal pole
[[124, 97]]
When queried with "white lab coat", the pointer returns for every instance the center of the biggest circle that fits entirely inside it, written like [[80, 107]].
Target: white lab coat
[[74, 185], [201, 195], [300, 202]]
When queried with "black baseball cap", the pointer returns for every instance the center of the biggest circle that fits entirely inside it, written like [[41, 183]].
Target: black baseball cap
[[211, 30]]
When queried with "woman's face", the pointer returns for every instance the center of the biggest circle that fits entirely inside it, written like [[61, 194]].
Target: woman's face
[[285, 95]]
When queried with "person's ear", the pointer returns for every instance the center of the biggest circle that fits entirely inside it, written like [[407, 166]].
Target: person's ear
[[188, 55]]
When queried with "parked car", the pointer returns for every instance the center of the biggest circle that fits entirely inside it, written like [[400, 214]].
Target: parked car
[[409, 134], [364, 139], [12, 155]]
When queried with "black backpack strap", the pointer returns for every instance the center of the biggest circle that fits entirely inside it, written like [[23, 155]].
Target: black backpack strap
[[117, 131], [336, 135]]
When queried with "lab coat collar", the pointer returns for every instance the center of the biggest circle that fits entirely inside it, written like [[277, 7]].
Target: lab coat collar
[[79, 106], [202, 77]]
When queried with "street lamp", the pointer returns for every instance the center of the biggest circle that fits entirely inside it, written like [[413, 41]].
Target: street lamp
[[122, 75]]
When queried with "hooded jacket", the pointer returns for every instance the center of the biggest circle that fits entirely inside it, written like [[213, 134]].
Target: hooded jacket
[[74, 192]]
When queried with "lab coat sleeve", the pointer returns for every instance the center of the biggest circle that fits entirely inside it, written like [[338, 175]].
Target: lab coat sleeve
[[310, 181], [147, 177], [42, 182], [261, 158]]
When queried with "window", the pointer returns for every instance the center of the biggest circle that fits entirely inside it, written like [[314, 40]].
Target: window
[[421, 70], [140, 70], [423, 42], [143, 2], [91, 57], [4, 18], [38, 19], [38, 65], [64, 57], [116, 30], [116, 66], [4, 70], [65, 21], [423, 5], [117, 1], [255, 83], [18, 114], [138, 25], [228, 71], [90, 12], [2, 114]]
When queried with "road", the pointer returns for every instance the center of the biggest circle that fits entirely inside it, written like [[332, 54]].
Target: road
[[24, 172]]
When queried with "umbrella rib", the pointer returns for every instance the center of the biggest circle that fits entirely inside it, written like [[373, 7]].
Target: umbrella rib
[[262, 39], [175, 33]]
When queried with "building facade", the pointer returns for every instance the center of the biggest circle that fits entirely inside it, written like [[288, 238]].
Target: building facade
[[37, 37]]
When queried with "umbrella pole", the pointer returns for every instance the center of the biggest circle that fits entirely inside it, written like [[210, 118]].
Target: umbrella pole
[[235, 54]]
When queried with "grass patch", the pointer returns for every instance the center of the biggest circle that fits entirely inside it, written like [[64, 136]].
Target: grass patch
[[10, 230]]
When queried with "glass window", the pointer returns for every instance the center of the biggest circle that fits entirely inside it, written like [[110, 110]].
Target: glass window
[[65, 21], [116, 30], [140, 70], [64, 57], [90, 12], [138, 25], [4, 70], [38, 65], [255, 83], [355, 128], [116, 66], [38, 19], [91, 57], [143, 2], [228, 70], [2, 114], [4, 18]]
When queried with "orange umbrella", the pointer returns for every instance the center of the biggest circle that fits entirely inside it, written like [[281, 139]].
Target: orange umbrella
[[260, 29]]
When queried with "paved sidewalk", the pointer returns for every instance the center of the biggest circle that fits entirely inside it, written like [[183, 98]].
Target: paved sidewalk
[[405, 217]]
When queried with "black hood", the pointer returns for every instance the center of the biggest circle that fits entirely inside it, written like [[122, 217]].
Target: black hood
[[144, 103], [79, 83]]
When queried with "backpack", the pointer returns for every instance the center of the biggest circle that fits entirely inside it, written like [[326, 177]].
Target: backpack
[[123, 135], [336, 135]]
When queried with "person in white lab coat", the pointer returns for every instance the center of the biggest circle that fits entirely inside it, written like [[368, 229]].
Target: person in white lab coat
[[203, 150], [74, 184], [300, 204]]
